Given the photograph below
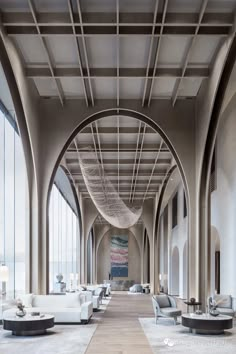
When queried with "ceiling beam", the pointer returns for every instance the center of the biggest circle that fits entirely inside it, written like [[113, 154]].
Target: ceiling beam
[[72, 161], [78, 51], [126, 173], [48, 56], [96, 73], [122, 148], [188, 52], [183, 30], [113, 130], [91, 19]]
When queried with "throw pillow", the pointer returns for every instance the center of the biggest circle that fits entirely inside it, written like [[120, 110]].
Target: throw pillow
[[163, 301], [26, 299]]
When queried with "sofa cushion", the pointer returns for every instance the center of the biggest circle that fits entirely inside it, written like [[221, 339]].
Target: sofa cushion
[[171, 312], [225, 311], [49, 301], [26, 299], [223, 301], [162, 300]]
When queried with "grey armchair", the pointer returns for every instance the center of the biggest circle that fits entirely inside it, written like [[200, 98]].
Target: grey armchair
[[224, 304], [165, 306]]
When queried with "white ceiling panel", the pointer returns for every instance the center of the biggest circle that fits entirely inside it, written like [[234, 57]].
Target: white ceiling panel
[[134, 51], [98, 6], [173, 49], [46, 87], [184, 6], [204, 49], [14, 5], [221, 6], [63, 50], [131, 88], [104, 88], [163, 87], [101, 51], [51, 5], [31, 49], [137, 5], [72, 86], [128, 122], [189, 87]]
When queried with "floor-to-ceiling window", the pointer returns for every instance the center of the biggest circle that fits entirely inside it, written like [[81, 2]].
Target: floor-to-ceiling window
[[13, 207], [63, 241]]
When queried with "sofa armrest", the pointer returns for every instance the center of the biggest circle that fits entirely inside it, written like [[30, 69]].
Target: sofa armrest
[[86, 310], [234, 304]]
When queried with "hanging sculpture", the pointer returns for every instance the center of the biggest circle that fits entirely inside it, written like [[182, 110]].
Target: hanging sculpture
[[103, 194]]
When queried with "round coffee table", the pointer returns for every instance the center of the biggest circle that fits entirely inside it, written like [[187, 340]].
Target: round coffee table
[[206, 324], [28, 325]]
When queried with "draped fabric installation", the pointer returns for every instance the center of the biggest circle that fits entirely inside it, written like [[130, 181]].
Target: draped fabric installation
[[103, 193]]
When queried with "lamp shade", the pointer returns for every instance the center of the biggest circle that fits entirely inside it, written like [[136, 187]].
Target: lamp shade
[[72, 276], [159, 276], [4, 273]]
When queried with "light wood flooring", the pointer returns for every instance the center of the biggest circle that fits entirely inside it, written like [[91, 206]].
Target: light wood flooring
[[119, 331]]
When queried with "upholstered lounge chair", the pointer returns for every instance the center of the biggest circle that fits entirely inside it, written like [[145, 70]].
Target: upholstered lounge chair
[[165, 306], [224, 304]]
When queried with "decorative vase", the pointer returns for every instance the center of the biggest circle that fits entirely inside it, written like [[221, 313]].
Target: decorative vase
[[59, 277], [20, 313], [214, 312]]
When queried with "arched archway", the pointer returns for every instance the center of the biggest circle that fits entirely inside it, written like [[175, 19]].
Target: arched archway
[[175, 271], [152, 124]]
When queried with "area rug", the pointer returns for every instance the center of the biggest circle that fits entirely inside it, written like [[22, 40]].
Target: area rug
[[62, 339], [164, 337]]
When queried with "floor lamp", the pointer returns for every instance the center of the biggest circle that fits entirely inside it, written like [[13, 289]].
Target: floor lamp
[[4, 277]]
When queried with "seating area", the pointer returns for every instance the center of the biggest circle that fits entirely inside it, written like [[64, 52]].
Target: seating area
[[117, 176]]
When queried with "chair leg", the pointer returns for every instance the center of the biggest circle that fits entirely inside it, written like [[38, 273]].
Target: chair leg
[[175, 321]]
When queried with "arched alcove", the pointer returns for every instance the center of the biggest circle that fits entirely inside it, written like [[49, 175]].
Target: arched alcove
[[103, 256], [185, 271]]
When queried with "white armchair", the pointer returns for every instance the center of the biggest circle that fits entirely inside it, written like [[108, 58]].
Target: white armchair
[[165, 306]]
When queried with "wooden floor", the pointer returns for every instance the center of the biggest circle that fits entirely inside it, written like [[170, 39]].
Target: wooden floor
[[120, 331]]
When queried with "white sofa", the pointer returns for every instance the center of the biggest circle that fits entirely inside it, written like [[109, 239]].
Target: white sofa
[[65, 308], [87, 295]]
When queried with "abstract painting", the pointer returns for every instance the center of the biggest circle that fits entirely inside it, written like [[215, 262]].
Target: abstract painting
[[119, 256]]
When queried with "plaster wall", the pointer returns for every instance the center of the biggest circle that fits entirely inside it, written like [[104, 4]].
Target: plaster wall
[[103, 257]]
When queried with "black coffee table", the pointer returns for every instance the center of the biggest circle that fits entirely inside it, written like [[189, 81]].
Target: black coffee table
[[28, 325], [206, 324]]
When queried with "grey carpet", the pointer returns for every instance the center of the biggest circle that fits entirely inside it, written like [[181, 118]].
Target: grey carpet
[[62, 339], [164, 337]]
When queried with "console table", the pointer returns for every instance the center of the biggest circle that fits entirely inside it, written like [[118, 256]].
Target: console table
[[120, 285], [206, 324], [28, 325]]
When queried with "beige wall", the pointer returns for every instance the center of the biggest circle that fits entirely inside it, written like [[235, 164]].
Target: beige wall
[[103, 257]]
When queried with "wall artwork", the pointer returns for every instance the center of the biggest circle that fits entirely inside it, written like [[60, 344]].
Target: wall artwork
[[119, 256]]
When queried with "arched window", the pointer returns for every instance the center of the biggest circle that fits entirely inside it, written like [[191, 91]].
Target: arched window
[[13, 207]]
